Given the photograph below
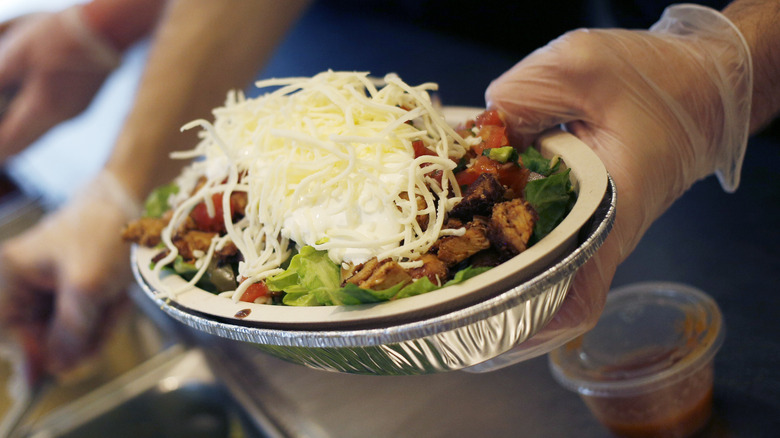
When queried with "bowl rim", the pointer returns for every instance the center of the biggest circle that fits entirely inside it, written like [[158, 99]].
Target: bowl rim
[[589, 178]]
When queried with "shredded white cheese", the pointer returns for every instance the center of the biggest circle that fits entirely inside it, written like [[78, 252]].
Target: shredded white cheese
[[326, 161]]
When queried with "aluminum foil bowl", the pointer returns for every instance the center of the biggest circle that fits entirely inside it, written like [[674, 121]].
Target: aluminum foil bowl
[[456, 338]]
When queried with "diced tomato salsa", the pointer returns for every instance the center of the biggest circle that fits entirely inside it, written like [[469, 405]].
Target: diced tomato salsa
[[254, 291], [215, 223], [492, 130]]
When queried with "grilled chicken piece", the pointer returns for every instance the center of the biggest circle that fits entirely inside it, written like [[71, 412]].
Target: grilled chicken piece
[[479, 198], [144, 231], [376, 275], [422, 219], [190, 242], [511, 226], [488, 258], [454, 249], [433, 268], [239, 201]]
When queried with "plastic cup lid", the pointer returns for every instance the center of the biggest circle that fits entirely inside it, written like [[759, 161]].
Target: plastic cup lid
[[649, 335]]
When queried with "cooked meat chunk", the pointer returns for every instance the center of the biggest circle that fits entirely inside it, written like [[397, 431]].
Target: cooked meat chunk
[[479, 198], [187, 224], [348, 270], [433, 268], [227, 254], [376, 275], [228, 250], [422, 219], [191, 242], [453, 223], [487, 258], [511, 226], [144, 231], [454, 249], [239, 201]]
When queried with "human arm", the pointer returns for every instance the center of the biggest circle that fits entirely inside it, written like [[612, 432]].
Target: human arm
[[189, 74], [758, 21], [662, 109], [74, 263], [53, 64]]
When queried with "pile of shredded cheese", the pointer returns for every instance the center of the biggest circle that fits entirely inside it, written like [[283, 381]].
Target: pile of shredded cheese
[[328, 162]]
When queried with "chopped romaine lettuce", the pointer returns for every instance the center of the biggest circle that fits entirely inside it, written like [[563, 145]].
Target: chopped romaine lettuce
[[157, 202], [534, 161], [312, 279], [309, 270], [552, 198]]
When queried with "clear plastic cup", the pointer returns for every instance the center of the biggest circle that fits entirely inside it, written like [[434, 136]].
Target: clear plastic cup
[[646, 369]]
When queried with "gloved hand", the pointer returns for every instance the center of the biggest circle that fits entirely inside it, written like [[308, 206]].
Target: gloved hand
[[51, 66], [662, 109], [62, 282]]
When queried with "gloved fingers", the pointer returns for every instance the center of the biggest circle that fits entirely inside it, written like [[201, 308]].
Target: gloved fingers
[[29, 338], [62, 282], [586, 298], [29, 114], [57, 42], [580, 310], [8, 24], [58, 306], [97, 50], [611, 90], [27, 261], [26, 301], [680, 83], [91, 290], [81, 322], [51, 66], [13, 56], [93, 274], [41, 103], [561, 82]]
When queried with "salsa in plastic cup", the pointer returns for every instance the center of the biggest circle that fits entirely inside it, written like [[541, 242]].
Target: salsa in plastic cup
[[646, 369]]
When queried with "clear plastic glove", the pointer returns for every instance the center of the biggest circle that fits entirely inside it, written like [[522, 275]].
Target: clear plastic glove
[[51, 66], [62, 282], [662, 109]]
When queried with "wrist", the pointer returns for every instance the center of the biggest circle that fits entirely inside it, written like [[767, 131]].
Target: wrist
[[116, 192], [720, 46]]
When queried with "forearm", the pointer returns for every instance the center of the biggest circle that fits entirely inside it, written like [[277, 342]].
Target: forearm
[[201, 50], [122, 22], [758, 21]]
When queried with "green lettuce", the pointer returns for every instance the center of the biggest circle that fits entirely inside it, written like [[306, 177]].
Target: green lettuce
[[535, 162], [157, 202], [308, 278], [313, 279], [552, 198]]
